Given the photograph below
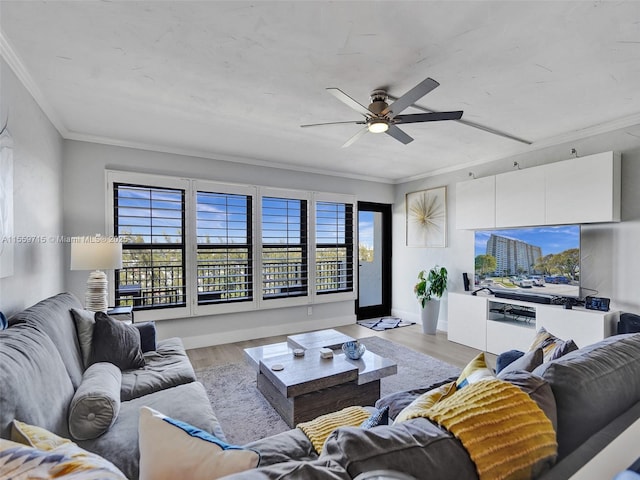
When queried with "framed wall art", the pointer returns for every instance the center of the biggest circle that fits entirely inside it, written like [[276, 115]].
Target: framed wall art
[[427, 218]]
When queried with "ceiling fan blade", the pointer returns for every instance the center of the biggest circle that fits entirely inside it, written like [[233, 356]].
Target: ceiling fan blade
[[411, 97], [398, 134], [429, 117], [350, 102], [353, 139], [357, 122]]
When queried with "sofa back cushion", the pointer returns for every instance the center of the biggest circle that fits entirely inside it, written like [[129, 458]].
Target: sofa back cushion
[[592, 386], [34, 385], [53, 316]]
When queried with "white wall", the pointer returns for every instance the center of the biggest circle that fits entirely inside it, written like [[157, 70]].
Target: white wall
[[610, 259], [84, 213], [37, 201]]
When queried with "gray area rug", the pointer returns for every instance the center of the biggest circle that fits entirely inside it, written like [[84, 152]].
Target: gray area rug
[[245, 415]]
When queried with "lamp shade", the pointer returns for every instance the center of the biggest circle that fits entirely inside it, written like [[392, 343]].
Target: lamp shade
[[96, 253]]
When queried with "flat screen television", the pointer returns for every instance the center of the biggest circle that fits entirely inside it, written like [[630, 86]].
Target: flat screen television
[[538, 260]]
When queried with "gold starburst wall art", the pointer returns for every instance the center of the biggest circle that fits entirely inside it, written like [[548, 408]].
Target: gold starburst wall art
[[426, 213]]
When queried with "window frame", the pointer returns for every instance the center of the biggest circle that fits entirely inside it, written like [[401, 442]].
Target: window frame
[[191, 187]]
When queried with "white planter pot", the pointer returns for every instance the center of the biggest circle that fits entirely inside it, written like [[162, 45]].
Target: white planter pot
[[430, 314]]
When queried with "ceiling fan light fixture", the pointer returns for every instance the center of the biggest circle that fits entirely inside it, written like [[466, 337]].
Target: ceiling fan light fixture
[[378, 125]]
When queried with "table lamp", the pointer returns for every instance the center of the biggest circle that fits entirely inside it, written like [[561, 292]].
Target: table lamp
[[96, 253]]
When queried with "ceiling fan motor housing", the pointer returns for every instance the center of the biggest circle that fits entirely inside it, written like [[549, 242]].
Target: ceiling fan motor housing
[[378, 101]]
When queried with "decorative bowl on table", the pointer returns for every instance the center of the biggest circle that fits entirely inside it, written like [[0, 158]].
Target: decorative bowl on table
[[354, 349]]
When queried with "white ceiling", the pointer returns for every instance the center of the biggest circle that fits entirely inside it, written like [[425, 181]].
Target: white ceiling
[[234, 80]]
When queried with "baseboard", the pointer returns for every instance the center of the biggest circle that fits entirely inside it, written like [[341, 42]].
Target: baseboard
[[221, 338]]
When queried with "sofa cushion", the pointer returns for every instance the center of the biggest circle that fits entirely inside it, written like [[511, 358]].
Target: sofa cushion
[[96, 403], [167, 366], [34, 384], [283, 447], [119, 444], [171, 449], [413, 447], [592, 386], [52, 317], [116, 342], [295, 469]]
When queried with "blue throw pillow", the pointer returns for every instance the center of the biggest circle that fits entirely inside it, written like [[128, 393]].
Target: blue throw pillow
[[379, 417], [3, 321], [147, 336], [506, 358]]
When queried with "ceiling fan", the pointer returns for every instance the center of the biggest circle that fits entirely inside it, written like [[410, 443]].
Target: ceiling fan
[[382, 117]]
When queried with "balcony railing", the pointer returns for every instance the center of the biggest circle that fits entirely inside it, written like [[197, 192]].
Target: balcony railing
[[163, 286]]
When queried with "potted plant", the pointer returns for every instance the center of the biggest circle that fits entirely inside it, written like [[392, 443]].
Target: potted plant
[[429, 289]]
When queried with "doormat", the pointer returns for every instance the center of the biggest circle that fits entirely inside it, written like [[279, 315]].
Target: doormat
[[384, 323]]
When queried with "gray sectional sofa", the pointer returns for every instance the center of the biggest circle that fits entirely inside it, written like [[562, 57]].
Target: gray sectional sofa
[[594, 393], [42, 368], [590, 395]]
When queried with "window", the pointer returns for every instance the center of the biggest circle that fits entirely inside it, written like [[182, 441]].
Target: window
[[224, 238], [196, 247], [334, 247], [284, 248], [151, 220]]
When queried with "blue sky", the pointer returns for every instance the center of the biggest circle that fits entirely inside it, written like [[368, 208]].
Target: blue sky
[[551, 239]]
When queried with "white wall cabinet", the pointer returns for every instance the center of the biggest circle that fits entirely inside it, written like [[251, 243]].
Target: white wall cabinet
[[483, 323], [583, 190], [579, 190], [520, 198], [476, 203]]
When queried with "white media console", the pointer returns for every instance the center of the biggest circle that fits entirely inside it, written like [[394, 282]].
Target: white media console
[[496, 325]]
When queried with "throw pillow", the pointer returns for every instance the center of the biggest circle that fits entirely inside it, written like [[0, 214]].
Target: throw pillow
[[379, 417], [96, 403], [319, 429], [505, 358], [171, 449], [116, 342], [60, 455], [147, 336], [66, 463], [84, 320], [476, 370], [527, 362], [424, 402], [552, 346], [538, 389], [3, 321]]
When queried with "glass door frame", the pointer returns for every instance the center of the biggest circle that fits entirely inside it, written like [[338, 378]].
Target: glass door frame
[[383, 309]]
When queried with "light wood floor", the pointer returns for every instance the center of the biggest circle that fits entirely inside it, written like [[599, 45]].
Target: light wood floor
[[412, 337]]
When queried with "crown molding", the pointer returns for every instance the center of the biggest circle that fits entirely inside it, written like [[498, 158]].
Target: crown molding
[[15, 63], [566, 137], [81, 137]]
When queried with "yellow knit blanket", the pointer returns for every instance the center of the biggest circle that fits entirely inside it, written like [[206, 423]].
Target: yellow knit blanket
[[319, 429], [505, 432]]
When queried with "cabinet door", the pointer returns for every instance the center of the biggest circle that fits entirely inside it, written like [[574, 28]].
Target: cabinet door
[[520, 198], [583, 190], [476, 203], [467, 320], [503, 336], [582, 326]]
